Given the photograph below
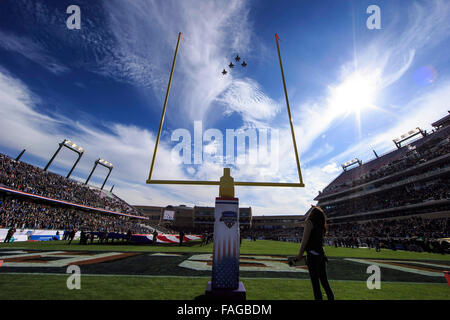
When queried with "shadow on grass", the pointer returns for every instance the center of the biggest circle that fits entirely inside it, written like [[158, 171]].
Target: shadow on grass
[[125, 243]]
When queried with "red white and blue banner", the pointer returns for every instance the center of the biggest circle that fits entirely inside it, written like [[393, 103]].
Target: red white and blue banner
[[44, 235], [163, 238], [34, 235], [225, 269]]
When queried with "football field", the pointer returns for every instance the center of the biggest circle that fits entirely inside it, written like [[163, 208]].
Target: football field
[[38, 270]]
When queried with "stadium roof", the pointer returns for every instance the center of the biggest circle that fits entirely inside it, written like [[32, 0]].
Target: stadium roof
[[445, 121]]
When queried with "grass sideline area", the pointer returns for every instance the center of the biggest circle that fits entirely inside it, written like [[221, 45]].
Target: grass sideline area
[[53, 287], [248, 247], [40, 286]]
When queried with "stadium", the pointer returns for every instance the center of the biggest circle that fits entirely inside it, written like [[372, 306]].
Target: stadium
[[195, 155], [392, 211]]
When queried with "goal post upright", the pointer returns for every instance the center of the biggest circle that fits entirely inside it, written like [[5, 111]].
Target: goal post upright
[[164, 109], [299, 184]]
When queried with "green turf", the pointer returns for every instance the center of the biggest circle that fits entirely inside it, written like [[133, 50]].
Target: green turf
[[248, 247], [51, 286], [26, 286]]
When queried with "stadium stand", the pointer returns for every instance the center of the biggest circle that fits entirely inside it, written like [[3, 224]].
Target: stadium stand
[[31, 198], [28, 214], [30, 179], [400, 199]]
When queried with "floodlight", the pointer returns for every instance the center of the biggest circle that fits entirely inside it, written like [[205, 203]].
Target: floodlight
[[350, 163], [72, 146], [406, 136], [104, 163]]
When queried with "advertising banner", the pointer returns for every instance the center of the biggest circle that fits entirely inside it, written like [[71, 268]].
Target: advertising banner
[[225, 269]]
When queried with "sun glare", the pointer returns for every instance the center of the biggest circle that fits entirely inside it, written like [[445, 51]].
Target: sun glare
[[356, 93]]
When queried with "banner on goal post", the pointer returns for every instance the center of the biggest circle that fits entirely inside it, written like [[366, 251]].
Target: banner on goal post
[[225, 268]]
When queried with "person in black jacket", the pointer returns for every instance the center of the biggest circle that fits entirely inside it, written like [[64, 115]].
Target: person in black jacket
[[9, 234], [129, 235], [155, 237], [312, 242], [181, 237], [72, 235]]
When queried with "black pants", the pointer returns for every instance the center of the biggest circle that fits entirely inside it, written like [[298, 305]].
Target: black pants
[[318, 272]]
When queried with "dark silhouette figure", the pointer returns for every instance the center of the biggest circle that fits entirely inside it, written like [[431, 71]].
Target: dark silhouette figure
[[9, 235], [129, 235], [155, 237], [72, 235], [181, 237], [312, 242]]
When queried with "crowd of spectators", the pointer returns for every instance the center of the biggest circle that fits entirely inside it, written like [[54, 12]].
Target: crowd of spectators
[[408, 194], [278, 234], [27, 178], [394, 228], [415, 156], [22, 213], [414, 234], [410, 156]]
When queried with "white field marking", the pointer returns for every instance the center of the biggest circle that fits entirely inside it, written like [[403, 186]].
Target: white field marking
[[405, 268], [199, 262], [66, 259], [16, 252], [362, 282], [208, 256], [22, 255], [444, 266], [162, 254]]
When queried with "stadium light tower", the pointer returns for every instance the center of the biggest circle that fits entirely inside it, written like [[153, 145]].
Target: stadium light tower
[[398, 141], [72, 146], [20, 155], [104, 163], [350, 163]]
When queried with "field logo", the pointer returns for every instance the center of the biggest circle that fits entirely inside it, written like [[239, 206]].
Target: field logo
[[229, 218], [374, 280], [74, 280]]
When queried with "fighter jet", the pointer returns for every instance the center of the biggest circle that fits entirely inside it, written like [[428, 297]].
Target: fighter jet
[[231, 65], [224, 72], [237, 58], [243, 64]]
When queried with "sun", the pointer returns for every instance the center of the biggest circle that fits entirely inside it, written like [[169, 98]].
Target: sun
[[354, 94]]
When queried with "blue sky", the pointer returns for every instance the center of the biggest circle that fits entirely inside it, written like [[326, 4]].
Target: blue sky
[[351, 89]]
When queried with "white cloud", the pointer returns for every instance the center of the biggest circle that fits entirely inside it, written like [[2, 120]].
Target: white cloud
[[140, 51], [145, 34], [419, 112], [331, 168], [31, 50], [247, 98], [384, 60], [129, 148]]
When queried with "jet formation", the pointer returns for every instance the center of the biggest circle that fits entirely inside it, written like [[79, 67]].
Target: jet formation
[[231, 65]]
